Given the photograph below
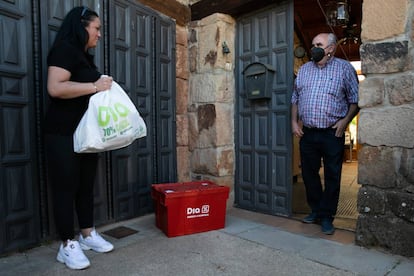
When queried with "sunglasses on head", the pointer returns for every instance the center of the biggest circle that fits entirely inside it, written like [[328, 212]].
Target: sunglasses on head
[[85, 9]]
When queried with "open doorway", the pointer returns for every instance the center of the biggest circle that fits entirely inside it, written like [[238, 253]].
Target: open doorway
[[347, 213], [343, 18]]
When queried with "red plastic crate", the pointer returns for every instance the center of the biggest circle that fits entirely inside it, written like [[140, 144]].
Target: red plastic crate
[[189, 207]]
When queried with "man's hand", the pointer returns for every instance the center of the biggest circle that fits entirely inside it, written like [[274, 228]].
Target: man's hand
[[340, 127], [342, 124], [297, 129]]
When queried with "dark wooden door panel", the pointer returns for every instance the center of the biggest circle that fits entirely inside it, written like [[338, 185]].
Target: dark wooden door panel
[[263, 135], [19, 206]]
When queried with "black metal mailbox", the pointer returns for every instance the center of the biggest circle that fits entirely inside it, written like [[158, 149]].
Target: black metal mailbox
[[258, 79]]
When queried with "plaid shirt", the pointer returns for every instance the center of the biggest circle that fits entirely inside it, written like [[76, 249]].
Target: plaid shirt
[[323, 94]]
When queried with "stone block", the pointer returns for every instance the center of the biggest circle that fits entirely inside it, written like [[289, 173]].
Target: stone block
[[374, 25], [212, 87], [193, 58], [206, 116], [217, 17], [203, 161], [184, 2], [224, 124], [363, 236], [213, 126], [181, 62], [182, 130], [400, 89], [371, 92], [206, 121], [192, 131], [386, 231], [202, 89], [213, 31], [181, 96], [181, 34], [387, 126], [183, 164], [225, 164], [371, 201], [226, 87], [207, 138], [402, 205], [213, 161], [376, 167], [192, 37], [386, 57], [407, 168]]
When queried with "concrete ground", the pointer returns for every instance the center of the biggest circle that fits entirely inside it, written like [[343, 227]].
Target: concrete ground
[[250, 244]]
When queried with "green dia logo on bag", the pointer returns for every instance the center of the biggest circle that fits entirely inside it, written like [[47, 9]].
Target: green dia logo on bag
[[118, 113], [110, 122]]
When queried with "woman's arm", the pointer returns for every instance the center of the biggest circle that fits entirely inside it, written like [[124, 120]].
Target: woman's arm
[[60, 86]]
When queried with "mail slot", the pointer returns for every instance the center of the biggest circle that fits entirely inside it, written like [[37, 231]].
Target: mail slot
[[258, 80]]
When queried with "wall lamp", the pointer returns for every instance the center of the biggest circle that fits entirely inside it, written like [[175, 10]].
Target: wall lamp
[[337, 13]]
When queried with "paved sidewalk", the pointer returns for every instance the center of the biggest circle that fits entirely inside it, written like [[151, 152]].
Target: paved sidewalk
[[243, 247]]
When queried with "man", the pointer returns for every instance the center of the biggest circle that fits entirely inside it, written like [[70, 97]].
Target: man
[[324, 101]]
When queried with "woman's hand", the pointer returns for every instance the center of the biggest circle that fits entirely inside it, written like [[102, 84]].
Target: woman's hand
[[103, 83]]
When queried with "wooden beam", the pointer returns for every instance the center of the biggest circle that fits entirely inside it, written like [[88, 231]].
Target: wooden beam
[[234, 8], [181, 13]]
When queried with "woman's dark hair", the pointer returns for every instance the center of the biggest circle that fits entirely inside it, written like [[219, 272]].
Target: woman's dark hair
[[73, 27]]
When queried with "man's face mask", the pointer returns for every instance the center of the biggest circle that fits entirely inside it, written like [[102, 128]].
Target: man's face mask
[[317, 54]]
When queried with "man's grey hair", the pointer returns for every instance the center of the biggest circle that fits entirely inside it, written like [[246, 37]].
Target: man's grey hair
[[332, 39]]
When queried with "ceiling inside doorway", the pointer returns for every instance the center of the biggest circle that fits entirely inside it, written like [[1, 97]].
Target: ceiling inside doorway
[[309, 16], [310, 20]]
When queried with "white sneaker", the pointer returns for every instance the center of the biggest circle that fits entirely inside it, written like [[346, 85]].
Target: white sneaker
[[95, 242], [72, 255]]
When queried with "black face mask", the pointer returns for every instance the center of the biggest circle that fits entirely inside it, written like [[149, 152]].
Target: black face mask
[[317, 54]]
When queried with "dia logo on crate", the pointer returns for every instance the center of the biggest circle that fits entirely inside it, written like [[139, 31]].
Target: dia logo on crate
[[198, 212]]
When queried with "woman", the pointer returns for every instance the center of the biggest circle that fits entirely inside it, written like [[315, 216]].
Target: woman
[[72, 79]]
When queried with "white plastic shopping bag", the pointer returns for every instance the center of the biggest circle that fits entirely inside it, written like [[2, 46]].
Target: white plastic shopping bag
[[110, 122]]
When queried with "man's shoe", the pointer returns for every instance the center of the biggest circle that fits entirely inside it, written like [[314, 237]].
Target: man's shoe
[[72, 255], [311, 218], [327, 226], [95, 242]]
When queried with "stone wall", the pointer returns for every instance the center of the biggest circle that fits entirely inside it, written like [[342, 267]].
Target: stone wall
[[386, 128], [211, 100], [182, 80]]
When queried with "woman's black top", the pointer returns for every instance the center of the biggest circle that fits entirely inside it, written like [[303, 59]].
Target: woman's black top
[[63, 115]]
